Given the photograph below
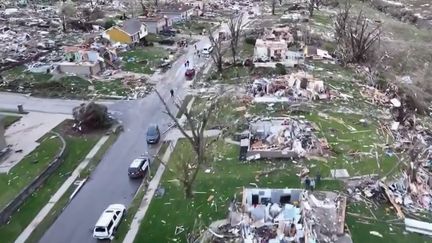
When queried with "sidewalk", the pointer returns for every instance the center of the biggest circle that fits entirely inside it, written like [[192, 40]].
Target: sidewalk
[[175, 134], [60, 192], [154, 183], [32, 127]]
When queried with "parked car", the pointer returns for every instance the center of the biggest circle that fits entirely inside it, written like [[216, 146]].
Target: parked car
[[139, 167], [153, 134], [190, 73], [109, 221], [168, 33], [164, 65], [207, 50]]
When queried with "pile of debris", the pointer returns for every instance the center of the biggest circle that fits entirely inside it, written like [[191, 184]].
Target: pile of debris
[[282, 138], [295, 87], [283, 215], [409, 193], [27, 32]]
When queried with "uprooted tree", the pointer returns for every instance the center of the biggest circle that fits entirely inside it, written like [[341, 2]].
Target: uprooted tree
[[355, 36], [91, 116], [235, 26], [193, 130], [217, 52]]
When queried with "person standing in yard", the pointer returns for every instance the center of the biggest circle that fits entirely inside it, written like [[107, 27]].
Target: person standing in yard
[[312, 184], [307, 182]]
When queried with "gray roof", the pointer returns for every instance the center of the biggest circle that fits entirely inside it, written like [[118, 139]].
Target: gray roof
[[131, 26]]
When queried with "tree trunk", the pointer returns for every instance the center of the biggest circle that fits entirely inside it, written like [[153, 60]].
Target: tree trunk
[[311, 8], [64, 23], [234, 52], [273, 6], [219, 65], [188, 190]]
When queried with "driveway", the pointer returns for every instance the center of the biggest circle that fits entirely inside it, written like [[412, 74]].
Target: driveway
[[109, 182]]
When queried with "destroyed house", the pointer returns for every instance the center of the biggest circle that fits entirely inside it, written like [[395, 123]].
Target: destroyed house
[[156, 24], [268, 52], [281, 138], [176, 12], [295, 87], [81, 60], [314, 53], [284, 215]]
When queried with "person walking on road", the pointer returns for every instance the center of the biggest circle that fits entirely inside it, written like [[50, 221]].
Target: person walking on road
[[172, 93]]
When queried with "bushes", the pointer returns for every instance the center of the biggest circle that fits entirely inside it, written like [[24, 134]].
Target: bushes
[[250, 40], [280, 69], [167, 42]]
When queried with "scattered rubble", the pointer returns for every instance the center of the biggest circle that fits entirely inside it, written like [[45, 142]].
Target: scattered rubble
[[282, 138], [299, 86], [283, 215]]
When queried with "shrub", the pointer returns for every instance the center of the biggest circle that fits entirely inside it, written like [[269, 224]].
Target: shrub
[[280, 69], [250, 40], [109, 23]]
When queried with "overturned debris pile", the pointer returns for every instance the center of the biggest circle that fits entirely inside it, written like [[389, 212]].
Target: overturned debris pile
[[283, 215]]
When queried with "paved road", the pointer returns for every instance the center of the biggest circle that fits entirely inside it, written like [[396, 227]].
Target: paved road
[[9, 101], [109, 182]]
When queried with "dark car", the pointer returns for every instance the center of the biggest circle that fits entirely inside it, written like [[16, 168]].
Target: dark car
[[190, 73], [138, 167], [168, 32], [153, 134]]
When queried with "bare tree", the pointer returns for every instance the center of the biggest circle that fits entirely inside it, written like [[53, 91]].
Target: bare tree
[[193, 131], [354, 35], [235, 26], [312, 5], [217, 52], [66, 11], [273, 5]]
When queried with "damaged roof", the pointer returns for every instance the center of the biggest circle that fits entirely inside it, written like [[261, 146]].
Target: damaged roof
[[131, 26]]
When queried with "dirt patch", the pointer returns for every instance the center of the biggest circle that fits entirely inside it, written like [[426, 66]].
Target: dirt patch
[[66, 128]]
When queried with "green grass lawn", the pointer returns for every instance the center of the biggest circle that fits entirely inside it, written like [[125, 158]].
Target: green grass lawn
[[391, 228], [196, 27], [77, 148], [9, 120], [354, 146], [26, 171], [151, 37], [228, 178], [68, 87], [247, 50], [232, 75], [143, 59]]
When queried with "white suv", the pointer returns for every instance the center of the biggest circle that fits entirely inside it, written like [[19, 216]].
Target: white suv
[[109, 221]]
